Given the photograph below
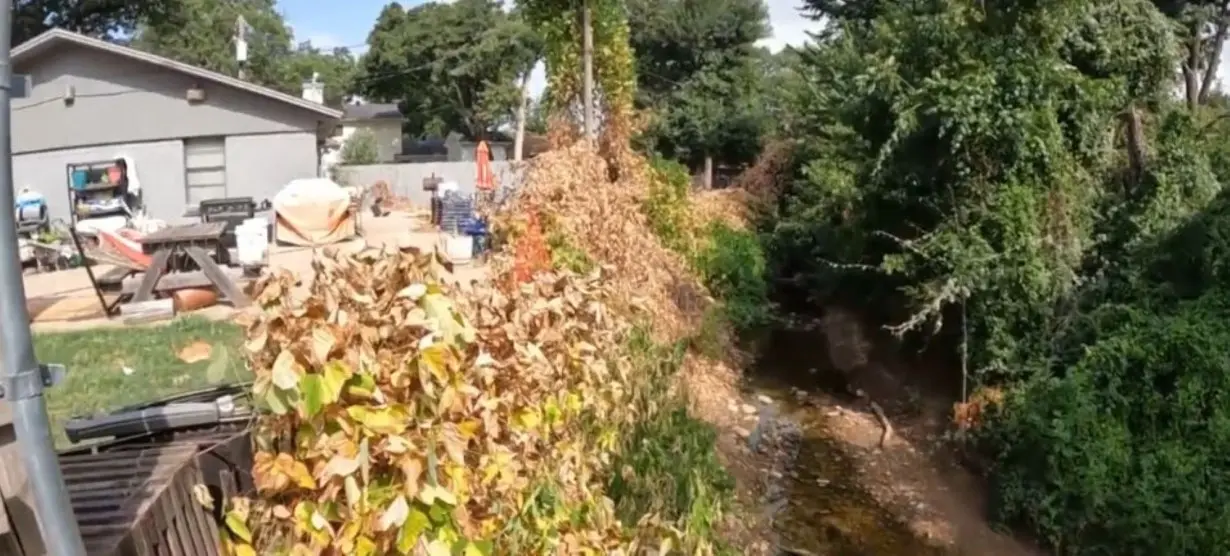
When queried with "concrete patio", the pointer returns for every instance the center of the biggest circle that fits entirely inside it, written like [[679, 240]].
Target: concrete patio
[[65, 300]]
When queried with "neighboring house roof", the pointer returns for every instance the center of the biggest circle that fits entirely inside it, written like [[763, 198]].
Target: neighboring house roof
[[423, 147], [372, 112], [56, 37]]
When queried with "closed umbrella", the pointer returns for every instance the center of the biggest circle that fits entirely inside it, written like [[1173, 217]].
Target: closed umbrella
[[486, 178]]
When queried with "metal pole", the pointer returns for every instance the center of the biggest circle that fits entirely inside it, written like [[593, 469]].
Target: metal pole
[[587, 68], [20, 373]]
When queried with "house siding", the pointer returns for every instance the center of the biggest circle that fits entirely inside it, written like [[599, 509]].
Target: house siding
[[386, 132], [159, 165], [117, 100], [125, 107], [259, 166]]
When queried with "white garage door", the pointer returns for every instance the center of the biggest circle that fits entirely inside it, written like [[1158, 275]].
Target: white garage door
[[205, 169]]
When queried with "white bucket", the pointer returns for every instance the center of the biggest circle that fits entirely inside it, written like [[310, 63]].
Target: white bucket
[[458, 248], [252, 241]]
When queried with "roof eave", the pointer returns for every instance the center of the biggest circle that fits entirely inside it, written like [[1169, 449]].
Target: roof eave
[[49, 38]]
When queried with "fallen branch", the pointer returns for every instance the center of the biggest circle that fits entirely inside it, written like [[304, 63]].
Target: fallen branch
[[887, 433]]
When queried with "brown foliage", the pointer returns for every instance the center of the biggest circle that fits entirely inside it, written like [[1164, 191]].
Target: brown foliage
[[604, 219], [399, 422]]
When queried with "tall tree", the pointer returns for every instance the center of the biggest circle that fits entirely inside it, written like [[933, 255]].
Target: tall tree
[[452, 67], [697, 71], [202, 33], [96, 18], [1203, 27], [336, 68]]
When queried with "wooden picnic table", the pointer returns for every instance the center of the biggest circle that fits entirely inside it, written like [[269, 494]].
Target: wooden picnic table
[[176, 250]]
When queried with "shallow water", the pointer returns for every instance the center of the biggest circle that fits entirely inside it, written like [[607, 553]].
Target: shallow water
[[826, 510]]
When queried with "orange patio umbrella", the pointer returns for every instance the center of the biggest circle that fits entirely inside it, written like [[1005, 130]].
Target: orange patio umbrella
[[486, 178]]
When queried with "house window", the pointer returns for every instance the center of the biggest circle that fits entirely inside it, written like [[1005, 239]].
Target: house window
[[204, 170]]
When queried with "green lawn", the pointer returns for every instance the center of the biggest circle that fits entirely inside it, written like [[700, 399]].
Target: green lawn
[[96, 360]]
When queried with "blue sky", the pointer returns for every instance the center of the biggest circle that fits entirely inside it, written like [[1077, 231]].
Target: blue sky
[[329, 23]]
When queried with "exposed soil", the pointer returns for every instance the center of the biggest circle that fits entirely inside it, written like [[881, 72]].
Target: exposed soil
[[824, 375]]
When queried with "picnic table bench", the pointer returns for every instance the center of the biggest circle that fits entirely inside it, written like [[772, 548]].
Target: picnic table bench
[[183, 257]]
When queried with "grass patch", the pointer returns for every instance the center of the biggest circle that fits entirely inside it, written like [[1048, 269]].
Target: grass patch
[[669, 467], [96, 359], [668, 463]]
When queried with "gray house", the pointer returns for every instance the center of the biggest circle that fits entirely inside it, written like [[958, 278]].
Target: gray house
[[192, 134]]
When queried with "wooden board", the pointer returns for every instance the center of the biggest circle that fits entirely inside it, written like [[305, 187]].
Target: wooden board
[[178, 281], [203, 231]]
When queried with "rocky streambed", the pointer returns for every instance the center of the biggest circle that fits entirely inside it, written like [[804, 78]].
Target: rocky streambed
[[841, 487]]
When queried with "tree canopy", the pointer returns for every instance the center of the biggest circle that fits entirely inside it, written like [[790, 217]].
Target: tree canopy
[[201, 33], [697, 72], [1018, 181], [452, 67], [96, 18]]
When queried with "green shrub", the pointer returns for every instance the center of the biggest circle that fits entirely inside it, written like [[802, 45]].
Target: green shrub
[[1126, 452], [1121, 448], [732, 265], [360, 148]]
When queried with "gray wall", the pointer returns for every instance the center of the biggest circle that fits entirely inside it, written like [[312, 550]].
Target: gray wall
[[118, 100], [123, 107], [159, 165], [406, 179], [259, 166]]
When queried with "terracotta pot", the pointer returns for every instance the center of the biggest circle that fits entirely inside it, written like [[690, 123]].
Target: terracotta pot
[[193, 298]]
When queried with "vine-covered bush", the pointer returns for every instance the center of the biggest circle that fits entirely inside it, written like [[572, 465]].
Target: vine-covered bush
[[953, 154], [1017, 170], [1115, 452], [731, 262]]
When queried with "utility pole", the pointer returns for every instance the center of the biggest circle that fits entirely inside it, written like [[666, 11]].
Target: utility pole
[[241, 46], [587, 64], [522, 113], [21, 375]]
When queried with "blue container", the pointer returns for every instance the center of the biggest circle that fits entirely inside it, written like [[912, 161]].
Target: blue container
[[472, 226], [81, 178], [476, 228]]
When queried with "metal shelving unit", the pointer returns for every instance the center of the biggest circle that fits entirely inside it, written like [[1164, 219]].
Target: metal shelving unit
[[97, 186]]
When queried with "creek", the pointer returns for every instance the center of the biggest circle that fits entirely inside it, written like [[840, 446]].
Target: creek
[[820, 506]]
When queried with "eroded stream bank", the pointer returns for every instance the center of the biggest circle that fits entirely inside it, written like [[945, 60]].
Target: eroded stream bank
[[841, 493]]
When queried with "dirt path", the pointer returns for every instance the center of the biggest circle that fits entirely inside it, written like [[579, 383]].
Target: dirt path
[[915, 475]]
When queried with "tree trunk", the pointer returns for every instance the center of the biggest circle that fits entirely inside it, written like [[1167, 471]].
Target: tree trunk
[[522, 110], [708, 177], [1219, 41], [587, 65], [1191, 67]]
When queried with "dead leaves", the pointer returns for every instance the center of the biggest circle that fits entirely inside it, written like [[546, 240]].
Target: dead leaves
[[195, 352], [424, 420]]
